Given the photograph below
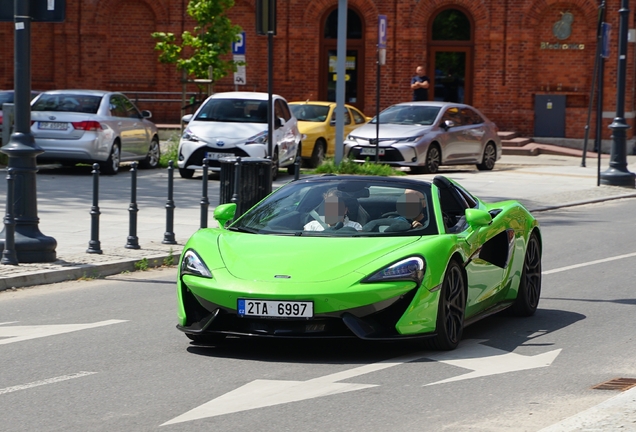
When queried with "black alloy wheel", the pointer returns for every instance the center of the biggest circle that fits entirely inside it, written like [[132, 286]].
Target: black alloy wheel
[[318, 154], [433, 160], [490, 157], [152, 157], [529, 292], [451, 309]]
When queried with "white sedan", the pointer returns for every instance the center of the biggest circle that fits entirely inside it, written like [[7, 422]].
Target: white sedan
[[235, 124]]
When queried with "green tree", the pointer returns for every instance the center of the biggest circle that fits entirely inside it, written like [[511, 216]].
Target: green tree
[[211, 38]]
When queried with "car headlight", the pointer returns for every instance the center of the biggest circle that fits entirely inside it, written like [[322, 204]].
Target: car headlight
[[189, 136], [193, 265], [260, 138], [352, 138], [408, 269], [409, 139]]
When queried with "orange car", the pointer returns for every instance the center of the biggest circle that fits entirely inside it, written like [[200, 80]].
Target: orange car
[[317, 120]]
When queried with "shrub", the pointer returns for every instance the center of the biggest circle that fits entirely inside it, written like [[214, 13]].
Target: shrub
[[348, 166]]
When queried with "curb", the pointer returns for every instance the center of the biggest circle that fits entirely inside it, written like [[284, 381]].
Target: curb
[[89, 271]]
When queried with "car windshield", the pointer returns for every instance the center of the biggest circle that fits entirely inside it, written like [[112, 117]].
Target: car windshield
[[310, 113], [6, 97], [409, 115], [67, 102], [233, 110], [332, 206]]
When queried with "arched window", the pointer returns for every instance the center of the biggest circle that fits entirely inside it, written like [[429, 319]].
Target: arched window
[[451, 24], [354, 25]]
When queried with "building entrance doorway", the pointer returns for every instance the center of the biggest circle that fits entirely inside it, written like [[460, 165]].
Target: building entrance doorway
[[354, 70], [451, 57]]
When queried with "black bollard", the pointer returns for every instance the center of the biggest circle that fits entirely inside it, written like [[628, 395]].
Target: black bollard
[[235, 193], [168, 236], [9, 255], [133, 240], [205, 202], [94, 245]]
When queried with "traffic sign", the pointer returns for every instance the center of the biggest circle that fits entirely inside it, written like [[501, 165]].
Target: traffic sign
[[382, 25], [240, 77], [238, 47]]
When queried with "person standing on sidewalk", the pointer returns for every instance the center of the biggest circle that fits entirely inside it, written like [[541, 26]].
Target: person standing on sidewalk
[[419, 85]]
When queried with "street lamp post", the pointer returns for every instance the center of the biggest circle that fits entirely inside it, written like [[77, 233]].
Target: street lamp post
[[617, 174], [30, 244]]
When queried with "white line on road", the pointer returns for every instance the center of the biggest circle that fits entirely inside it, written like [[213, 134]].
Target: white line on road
[[589, 263], [44, 382]]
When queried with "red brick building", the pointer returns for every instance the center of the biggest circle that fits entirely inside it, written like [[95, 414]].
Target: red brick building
[[498, 55]]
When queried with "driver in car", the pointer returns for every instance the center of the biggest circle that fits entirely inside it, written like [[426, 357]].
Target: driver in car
[[411, 207], [336, 214]]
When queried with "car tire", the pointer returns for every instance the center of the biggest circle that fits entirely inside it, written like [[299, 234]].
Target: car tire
[[186, 173], [206, 338], [433, 160], [152, 158], [451, 309], [529, 290], [318, 154], [275, 165], [489, 159], [111, 166]]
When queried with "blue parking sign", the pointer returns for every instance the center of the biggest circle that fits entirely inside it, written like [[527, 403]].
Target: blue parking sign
[[238, 47], [382, 24]]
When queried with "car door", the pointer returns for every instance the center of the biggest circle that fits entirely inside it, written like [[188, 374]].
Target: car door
[[123, 126], [484, 268], [285, 132], [451, 137], [138, 130], [473, 131]]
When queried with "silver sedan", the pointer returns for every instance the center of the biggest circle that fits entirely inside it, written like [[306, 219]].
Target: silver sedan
[[90, 126], [425, 135]]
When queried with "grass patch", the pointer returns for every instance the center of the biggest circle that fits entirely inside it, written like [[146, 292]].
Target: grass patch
[[347, 166], [169, 151], [88, 277], [142, 264], [169, 260]]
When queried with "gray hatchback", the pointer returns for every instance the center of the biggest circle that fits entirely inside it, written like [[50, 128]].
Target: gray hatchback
[[89, 126]]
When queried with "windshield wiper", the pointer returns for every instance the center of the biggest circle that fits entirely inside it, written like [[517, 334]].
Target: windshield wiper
[[243, 229]]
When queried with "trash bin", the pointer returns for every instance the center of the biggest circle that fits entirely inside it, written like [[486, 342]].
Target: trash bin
[[255, 181]]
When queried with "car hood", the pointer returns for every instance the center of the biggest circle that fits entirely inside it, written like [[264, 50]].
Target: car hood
[[265, 258], [208, 130], [388, 130]]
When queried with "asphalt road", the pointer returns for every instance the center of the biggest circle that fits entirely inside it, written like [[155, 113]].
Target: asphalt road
[[103, 355]]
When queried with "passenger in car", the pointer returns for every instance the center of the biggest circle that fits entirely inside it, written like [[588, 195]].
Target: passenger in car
[[411, 206], [336, 214]]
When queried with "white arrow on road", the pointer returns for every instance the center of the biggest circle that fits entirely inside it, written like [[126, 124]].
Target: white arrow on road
[[485, 360], [482, 359], [22, 333]]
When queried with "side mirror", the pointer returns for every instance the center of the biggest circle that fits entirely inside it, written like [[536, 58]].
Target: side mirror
[[224, 213], [146, 114], [477, 218], [186, 118], [448, 124], [278, 122]]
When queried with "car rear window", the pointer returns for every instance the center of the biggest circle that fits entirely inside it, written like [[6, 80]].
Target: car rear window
[[64, 102]]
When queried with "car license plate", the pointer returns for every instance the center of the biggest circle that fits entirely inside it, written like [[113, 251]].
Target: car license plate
[[215, 155], [370, 151], [275, 308], [53, 125]]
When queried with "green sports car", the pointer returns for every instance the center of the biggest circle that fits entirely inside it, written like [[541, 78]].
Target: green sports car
[[373, 258]]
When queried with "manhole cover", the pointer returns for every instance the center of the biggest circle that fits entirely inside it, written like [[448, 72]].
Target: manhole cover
[[621, 384]]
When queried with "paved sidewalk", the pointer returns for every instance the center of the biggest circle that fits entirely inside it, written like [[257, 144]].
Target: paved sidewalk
[[540, 182]]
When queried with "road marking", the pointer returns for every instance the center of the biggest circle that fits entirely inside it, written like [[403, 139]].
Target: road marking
[[485, 360], [22, 333], [44, 382], [265, 393], [589, 263]]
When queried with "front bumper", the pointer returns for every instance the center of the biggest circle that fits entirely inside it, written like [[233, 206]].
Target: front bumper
[[376, 321]]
